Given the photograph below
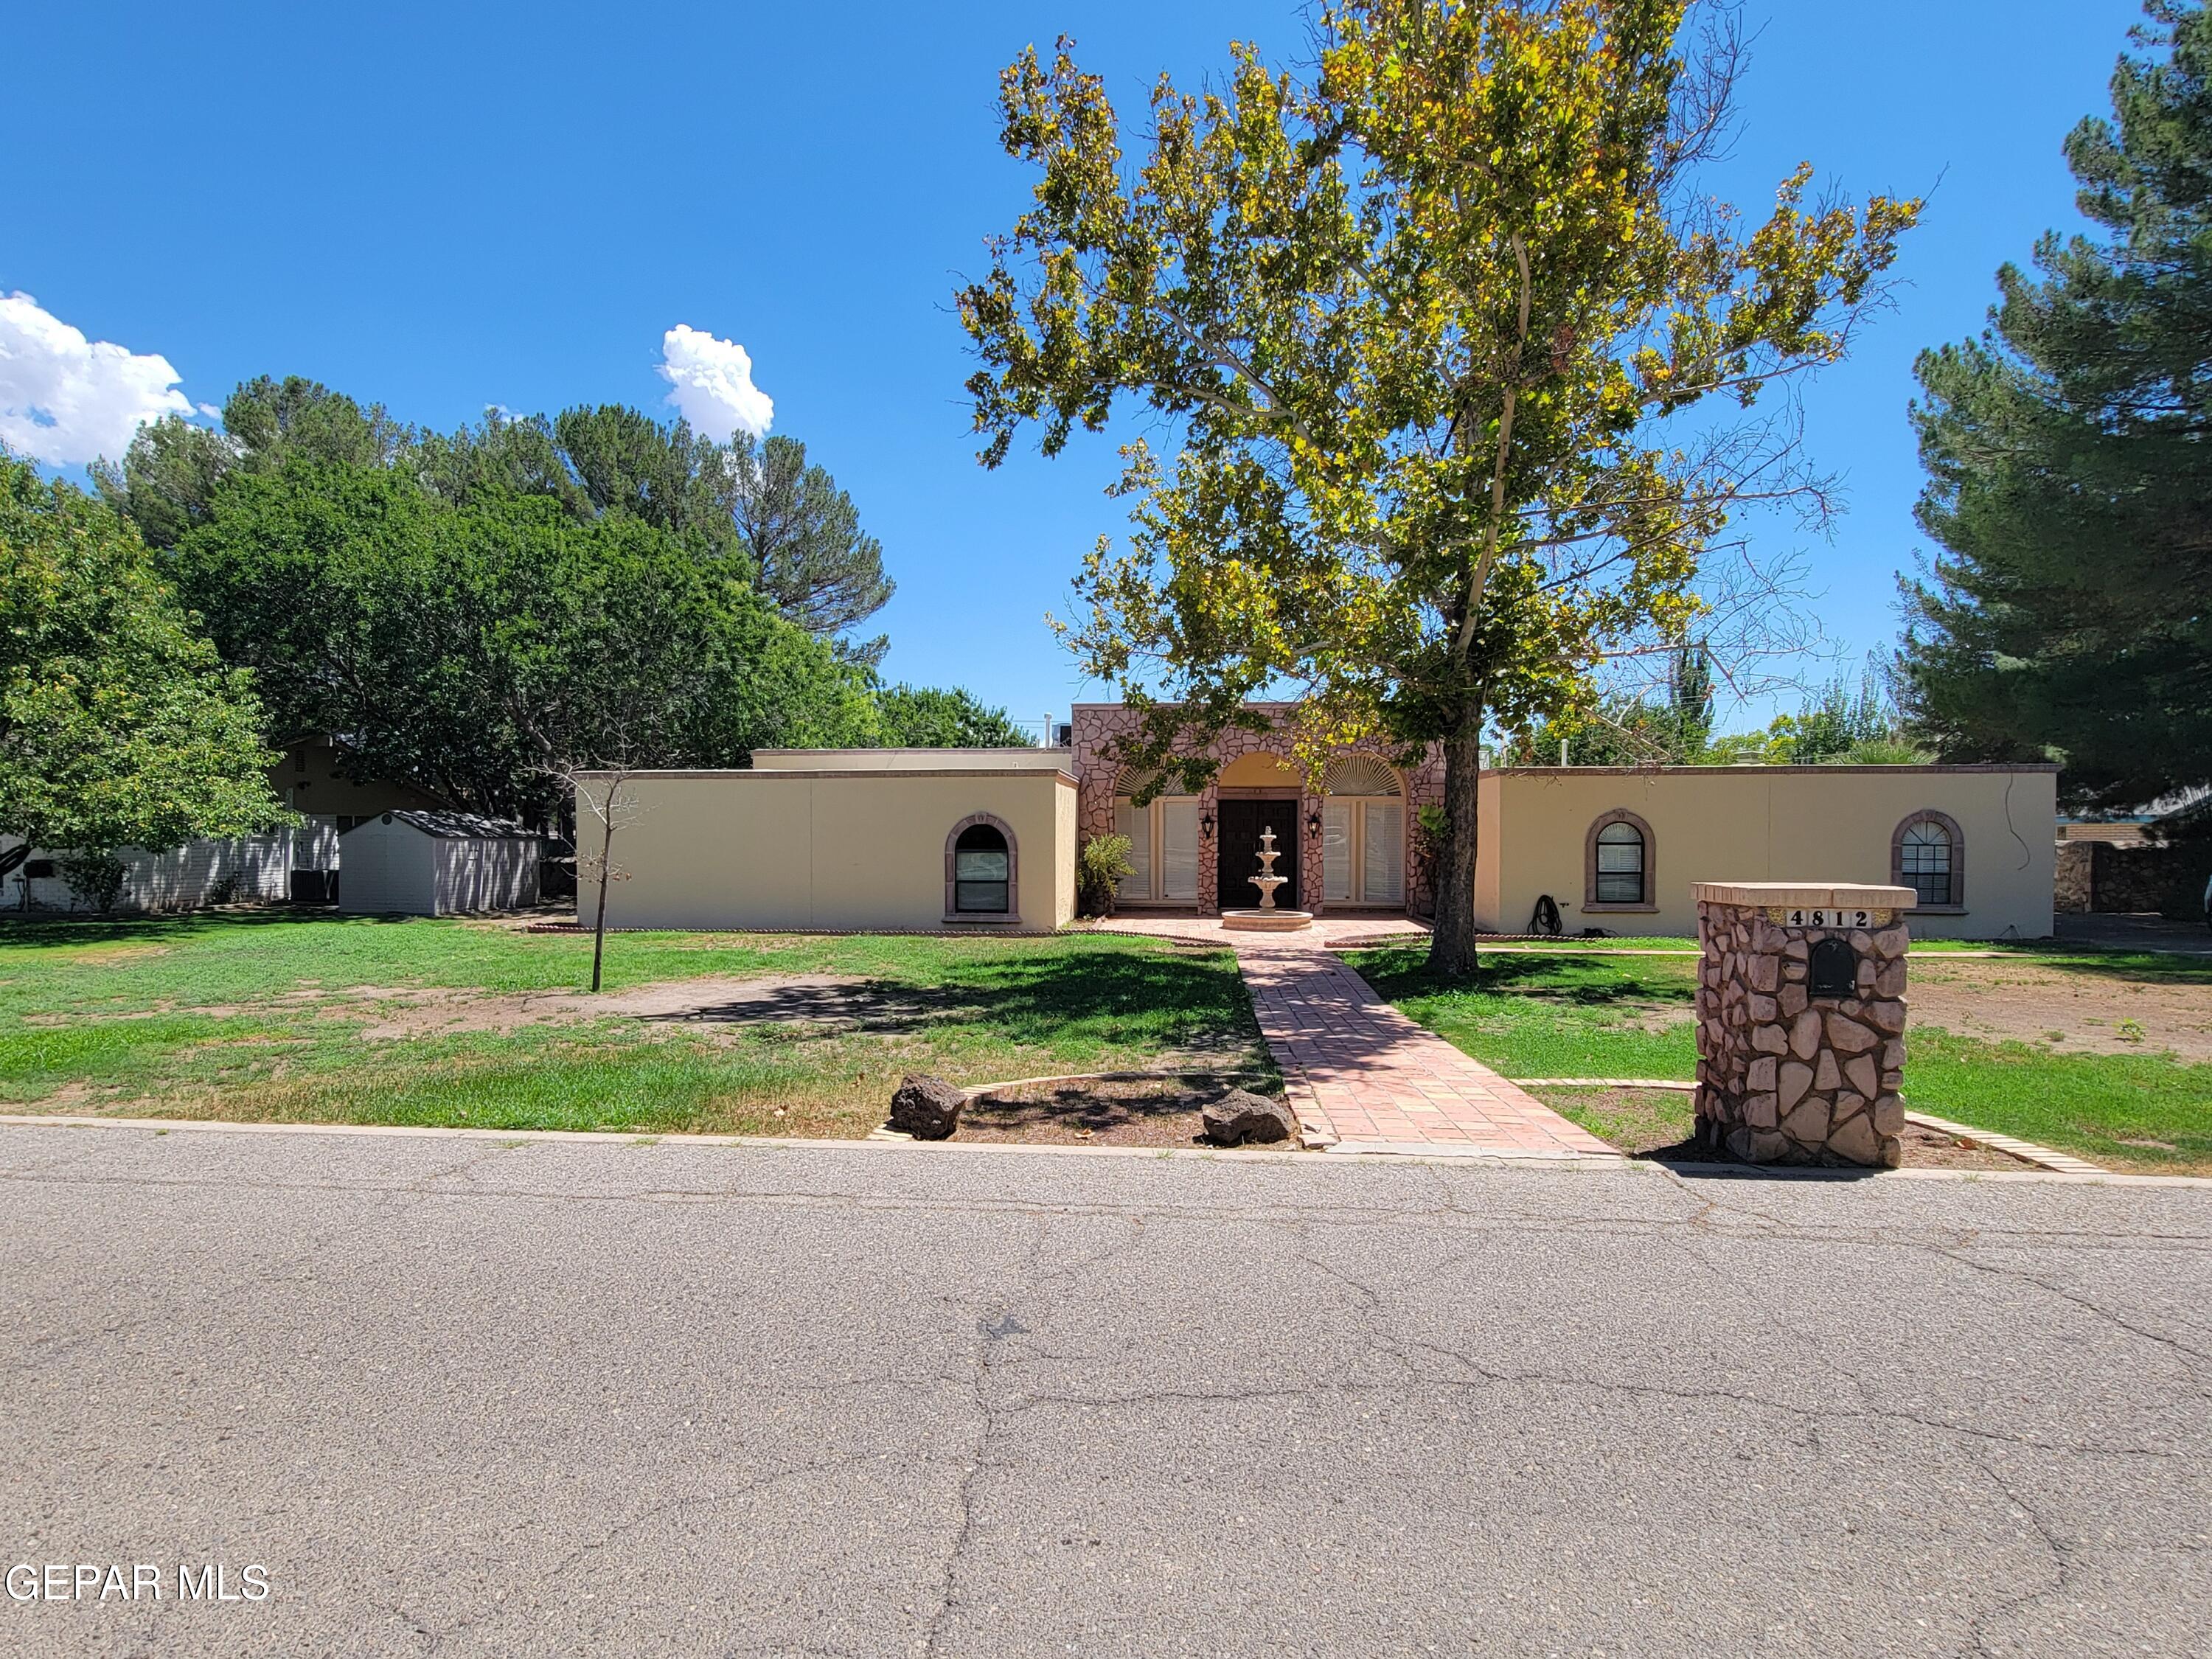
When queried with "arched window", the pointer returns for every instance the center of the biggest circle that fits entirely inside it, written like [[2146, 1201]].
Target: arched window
[[1617, 864], [1362, 835], [1928, 854], [980, 870]]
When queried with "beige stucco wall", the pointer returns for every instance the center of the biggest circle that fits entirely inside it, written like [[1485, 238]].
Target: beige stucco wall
[[1821, 823], [823, 848]]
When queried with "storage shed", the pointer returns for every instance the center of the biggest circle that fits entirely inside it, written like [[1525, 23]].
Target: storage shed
[[433, 864]]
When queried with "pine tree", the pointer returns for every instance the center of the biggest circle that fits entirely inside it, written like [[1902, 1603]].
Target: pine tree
[[2069, 481]]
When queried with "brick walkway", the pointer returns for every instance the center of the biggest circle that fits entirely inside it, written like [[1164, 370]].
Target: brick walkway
[[1365, 1076]]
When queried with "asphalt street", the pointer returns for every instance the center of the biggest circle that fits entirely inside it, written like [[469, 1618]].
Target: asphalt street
[[462, 1397]]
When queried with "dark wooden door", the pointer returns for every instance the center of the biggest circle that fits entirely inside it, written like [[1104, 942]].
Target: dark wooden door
[[1241, 823]]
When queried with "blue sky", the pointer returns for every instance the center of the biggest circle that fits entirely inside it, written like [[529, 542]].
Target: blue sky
[[446, 206]]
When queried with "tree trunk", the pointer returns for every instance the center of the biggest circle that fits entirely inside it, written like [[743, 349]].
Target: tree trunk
[[1452, 945], [607, 875]]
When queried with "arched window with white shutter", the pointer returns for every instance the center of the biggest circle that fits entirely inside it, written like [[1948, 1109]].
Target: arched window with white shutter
[[1363, 834]]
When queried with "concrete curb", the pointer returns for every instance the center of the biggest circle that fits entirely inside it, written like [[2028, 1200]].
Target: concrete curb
[[1567, 1163], [876, 1141], [2026, 1151]]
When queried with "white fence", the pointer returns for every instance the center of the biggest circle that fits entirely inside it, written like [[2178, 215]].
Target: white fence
[[253, 870]]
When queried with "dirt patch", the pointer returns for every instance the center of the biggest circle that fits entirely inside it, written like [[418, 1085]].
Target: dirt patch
[[813, 1000], [2066, 1010], [1657, 1124], [97, 955], [1136, 1112], [1931, 1149]]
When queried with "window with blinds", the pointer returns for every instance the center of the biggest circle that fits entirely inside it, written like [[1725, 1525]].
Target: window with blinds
[[1178, 860], [1136, 822], [982, 871], [1163, 849], [1336, 859], [1382, 852], [1362, 851], [1620, 865]]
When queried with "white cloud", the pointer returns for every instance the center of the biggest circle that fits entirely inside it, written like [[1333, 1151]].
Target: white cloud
[[66, 400], [714, 382]]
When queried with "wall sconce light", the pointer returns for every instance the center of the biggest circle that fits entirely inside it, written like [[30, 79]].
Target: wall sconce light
[[1206, 826], [1313, 823]]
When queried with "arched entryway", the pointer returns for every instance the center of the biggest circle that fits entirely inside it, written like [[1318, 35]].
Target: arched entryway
[[1258, 793]]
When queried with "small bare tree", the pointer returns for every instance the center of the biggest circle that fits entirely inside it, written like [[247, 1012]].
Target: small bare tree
[[612, 807]]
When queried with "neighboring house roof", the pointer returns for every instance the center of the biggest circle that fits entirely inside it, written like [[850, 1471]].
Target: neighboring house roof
[[457, 826]]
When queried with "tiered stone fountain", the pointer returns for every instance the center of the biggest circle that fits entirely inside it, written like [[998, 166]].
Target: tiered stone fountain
[[1265, 917]]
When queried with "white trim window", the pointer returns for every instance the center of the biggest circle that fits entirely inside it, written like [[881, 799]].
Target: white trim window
[[1163, 849], [1362, 833], [1362, 850]]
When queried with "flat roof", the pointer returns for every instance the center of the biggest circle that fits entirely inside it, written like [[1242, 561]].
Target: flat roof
[[1752, 768], [902, 760], [770, 774]]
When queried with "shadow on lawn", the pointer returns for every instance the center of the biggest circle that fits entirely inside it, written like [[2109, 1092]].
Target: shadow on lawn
[[18, 927], [1195, 1004], [1397, 975]]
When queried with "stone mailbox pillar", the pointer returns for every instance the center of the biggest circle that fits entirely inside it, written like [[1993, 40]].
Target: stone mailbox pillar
[[1800, 1021]]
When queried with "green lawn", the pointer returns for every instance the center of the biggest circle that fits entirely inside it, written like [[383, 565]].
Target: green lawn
[[1623, 1016], [242, 1017]]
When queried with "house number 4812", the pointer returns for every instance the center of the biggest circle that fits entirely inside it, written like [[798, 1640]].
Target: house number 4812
[[1830, 918]]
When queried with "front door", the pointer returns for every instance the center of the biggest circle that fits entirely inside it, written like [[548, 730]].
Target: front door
[[1242, 821]]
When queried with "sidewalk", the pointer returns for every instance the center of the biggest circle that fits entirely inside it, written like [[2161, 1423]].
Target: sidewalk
[[1361, 1076]]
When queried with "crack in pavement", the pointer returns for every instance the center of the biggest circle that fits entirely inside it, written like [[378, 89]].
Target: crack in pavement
[[991, 1332]]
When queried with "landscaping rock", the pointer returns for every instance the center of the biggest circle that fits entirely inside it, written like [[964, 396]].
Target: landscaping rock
[[926, 1107], [1239, 1116]]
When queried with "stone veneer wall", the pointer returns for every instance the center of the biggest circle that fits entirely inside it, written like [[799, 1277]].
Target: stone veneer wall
[[1783, 1079], [1100, 727]]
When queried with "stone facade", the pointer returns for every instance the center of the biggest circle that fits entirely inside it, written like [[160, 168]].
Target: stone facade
[[1785, 1076], [1100, 728]]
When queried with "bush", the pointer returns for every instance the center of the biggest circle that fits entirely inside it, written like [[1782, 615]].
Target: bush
[[1101, 869], [94, 879]]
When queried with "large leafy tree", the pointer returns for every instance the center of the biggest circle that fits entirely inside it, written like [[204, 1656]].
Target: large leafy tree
[[169, 474], [927, 717], [119, 726], [484, 649], [1437, 324], [779, 521], [2069, 459]]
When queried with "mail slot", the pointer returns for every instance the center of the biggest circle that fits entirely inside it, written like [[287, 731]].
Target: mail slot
[[1833, 970]]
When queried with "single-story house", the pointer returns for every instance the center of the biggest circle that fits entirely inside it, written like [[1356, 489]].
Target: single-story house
[[842, 839], [436, 864], [1616, 848], [950, 839]]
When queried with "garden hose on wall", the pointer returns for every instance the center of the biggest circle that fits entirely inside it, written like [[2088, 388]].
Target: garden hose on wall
[[1545, 918]]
